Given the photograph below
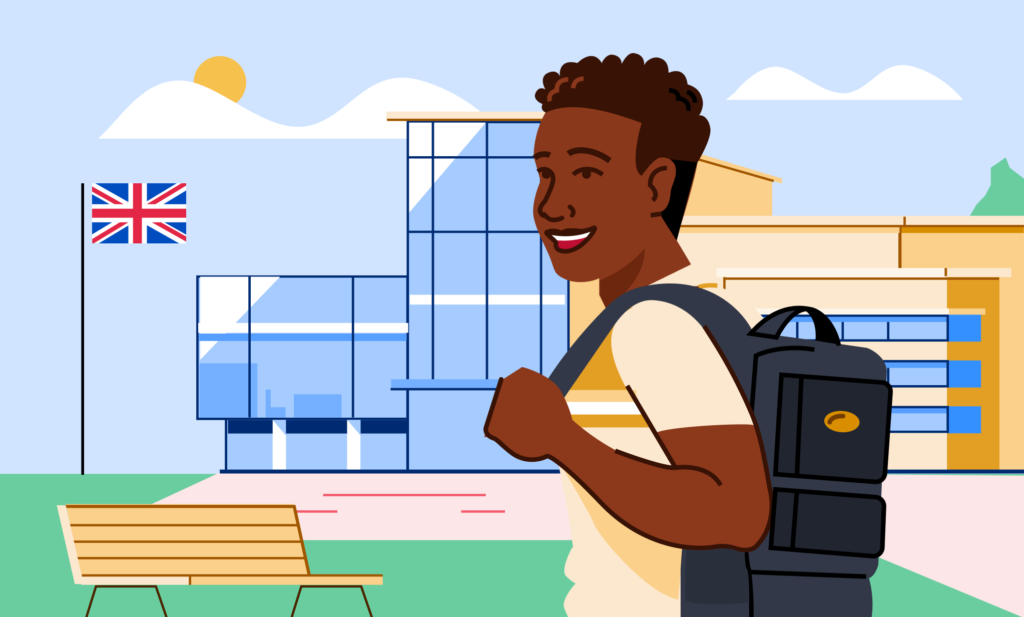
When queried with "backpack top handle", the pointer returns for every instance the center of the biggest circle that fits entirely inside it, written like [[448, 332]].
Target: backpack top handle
[[773, 325]]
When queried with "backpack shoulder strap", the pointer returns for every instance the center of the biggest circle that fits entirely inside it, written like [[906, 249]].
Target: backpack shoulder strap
[[704, 306]]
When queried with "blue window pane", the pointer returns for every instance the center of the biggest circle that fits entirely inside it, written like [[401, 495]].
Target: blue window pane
[[224, 379], [446, 434], [419, 306], [421, 194], [965, 328], [459, 342], [420, 248], [420, 354], [380, 301], [317, 450], [514, 264], [514, 339], [377, 363], [314, 406], [512, 138], [965, 374], [918, 419], [965, 419], [459, 194], [250, 451], [459, 311], [382, 451], [514, 309], [864, 330], [931, 330], [287, 368], [790, 330], [459, 139], [300, 300], [805, 330], [511, 190], [459, 264], [917, 373]]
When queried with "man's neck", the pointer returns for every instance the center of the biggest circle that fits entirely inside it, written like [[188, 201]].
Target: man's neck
[[658, 260]]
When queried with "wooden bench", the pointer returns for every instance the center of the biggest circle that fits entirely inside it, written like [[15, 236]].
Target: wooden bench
[[152, 545]]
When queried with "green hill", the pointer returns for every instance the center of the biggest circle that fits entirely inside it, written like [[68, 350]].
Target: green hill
[[1005, 196]]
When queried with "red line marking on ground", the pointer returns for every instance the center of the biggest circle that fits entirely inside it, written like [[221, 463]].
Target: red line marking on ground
[[317, 511], [405, 494], [483, 511]]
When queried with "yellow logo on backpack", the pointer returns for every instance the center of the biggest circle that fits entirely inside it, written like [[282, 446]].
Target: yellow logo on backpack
[[842, 421]]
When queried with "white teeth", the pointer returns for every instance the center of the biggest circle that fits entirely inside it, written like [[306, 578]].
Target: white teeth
[[569, 238]]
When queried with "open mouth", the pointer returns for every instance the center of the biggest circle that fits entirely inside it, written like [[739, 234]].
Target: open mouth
[[569, 240]]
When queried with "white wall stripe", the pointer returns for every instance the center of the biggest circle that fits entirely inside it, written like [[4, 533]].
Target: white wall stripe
[[303, 328], [353, 449], [279, 445], [493, 299]]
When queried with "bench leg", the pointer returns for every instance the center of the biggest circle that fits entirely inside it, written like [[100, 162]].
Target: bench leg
[[155, 588], [364, 600], [301, 587], [297, 600], [91, 598]]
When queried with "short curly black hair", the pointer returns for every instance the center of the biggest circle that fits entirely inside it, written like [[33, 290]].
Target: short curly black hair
[[666, 106]]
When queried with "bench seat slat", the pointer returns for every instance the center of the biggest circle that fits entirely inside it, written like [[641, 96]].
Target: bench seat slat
[[189, 549], [190, 567], [183, 515], [308, 580], [184, 533]]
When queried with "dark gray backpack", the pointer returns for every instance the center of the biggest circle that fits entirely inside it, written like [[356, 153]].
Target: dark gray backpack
[[827, 516]]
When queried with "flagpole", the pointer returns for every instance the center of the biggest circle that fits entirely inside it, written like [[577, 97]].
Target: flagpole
[[82, 261]]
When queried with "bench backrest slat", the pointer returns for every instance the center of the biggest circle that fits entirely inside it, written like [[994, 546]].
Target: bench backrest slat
[[183, 540]]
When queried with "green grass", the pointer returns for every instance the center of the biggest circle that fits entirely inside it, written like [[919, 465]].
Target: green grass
[[421, 577]]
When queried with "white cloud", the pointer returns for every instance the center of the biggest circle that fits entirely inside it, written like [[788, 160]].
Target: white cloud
[[185, 110], [899, 83]]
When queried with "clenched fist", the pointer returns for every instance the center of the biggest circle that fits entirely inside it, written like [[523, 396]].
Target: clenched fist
[[529, 416]]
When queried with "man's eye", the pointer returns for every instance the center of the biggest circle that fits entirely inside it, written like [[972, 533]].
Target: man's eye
[[544, 172], [586, 172]]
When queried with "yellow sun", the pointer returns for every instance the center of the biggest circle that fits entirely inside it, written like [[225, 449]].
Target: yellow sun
[[222, 75]]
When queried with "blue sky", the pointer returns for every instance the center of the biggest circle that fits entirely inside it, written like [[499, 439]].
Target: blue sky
[[70, 71]]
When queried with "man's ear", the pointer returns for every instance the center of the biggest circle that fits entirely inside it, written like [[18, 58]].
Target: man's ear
[[658, 177]]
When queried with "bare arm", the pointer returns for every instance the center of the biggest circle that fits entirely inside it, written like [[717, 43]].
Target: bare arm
[[715, 494]]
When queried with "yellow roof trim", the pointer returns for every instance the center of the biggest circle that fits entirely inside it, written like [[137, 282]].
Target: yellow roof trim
[[742, 170]]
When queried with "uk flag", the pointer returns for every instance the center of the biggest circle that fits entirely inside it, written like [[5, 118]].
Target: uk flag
[[138, 213]]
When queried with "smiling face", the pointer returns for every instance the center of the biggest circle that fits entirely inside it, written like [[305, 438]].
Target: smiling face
[[595, 212]]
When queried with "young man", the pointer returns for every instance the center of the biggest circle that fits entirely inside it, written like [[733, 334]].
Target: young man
[[616, 154]]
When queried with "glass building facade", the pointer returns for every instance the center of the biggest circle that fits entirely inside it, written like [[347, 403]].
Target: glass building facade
[[394, 373]]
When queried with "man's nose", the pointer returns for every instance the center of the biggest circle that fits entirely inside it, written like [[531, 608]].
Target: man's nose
[[554, 210]]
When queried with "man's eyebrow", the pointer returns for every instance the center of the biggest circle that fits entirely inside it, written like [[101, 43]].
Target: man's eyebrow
[[537, 155], [601, 155]]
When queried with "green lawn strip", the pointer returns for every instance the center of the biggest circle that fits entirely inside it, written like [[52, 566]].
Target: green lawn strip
[[899, 592]]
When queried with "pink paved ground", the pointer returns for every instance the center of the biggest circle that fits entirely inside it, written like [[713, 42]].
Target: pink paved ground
[[964, 531], [961, 530], [512, 506]]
